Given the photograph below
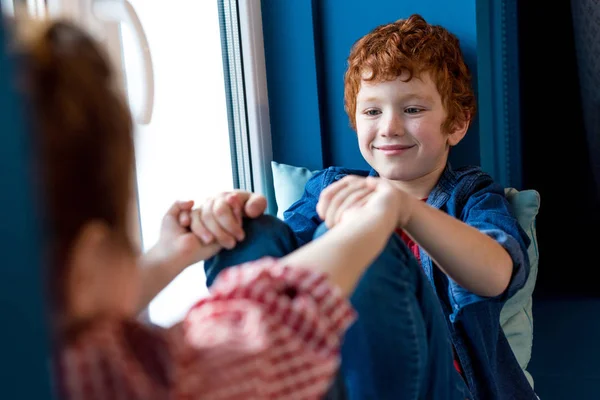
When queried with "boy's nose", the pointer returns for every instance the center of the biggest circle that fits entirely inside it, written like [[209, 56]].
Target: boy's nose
[[392, 126]]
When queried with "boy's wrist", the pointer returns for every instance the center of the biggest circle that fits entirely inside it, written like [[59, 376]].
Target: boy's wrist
[[407, 204]]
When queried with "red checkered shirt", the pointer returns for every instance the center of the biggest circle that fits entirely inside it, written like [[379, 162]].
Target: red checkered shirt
[[266, 332]]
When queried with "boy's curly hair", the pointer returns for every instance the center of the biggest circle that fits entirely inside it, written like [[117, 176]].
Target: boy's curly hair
[[414, 46]]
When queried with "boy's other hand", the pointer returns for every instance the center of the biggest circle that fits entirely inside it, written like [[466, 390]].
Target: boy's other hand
[[341, 196], [360, 197], [219, 219]]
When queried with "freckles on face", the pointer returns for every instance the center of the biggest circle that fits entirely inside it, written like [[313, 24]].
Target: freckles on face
[[399, 126]]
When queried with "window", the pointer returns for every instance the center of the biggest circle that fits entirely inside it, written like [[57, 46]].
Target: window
[[184, 151], [201, 108]]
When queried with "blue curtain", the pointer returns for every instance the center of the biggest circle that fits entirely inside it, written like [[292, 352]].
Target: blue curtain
[[586, 29]]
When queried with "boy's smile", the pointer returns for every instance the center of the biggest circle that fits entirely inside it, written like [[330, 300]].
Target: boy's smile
[[393, 149], [399, 129]]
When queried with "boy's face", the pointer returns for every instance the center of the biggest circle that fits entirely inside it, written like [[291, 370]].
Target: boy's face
[[399, 128]]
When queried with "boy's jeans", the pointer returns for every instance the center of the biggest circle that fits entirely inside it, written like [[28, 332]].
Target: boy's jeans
[[399, 347]]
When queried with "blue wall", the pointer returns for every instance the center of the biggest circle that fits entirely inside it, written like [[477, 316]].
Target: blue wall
[[292, 82], [306, 46], [24, 346]]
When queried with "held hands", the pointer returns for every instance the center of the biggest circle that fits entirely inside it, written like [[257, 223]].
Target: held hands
[[191, 235], [176, 249], [219, 220], [177, 244], [188, 235], [358, 197]]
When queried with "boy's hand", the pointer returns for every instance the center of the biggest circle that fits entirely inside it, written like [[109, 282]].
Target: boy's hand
[[355, 196], [339, 197], [219, 219]]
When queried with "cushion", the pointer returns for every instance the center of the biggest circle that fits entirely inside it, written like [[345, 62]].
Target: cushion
[[516, 317], [289, 182]]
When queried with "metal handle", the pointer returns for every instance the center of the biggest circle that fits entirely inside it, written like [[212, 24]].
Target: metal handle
[[122, 11]]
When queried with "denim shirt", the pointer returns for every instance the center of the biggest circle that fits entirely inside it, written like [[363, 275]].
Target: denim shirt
[[470, 195]]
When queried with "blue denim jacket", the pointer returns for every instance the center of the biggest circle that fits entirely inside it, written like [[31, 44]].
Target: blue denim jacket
[[469, 194]]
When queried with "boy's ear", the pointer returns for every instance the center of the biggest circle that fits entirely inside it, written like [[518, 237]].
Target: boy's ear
[[459, 130]]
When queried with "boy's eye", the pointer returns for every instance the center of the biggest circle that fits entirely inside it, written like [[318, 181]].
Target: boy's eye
[[372, 112], [412, 110]]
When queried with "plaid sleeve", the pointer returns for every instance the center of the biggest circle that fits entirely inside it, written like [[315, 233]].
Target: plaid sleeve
[[266, 332], [114, 359]]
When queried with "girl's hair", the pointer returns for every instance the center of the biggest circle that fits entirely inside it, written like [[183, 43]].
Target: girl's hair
[[82, 134]]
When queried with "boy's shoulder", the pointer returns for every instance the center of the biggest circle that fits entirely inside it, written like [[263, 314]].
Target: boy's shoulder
[[457, 182], [327, 176], [466, 180], [337, 173], [470, 173], [463, 180], [459, 187]]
